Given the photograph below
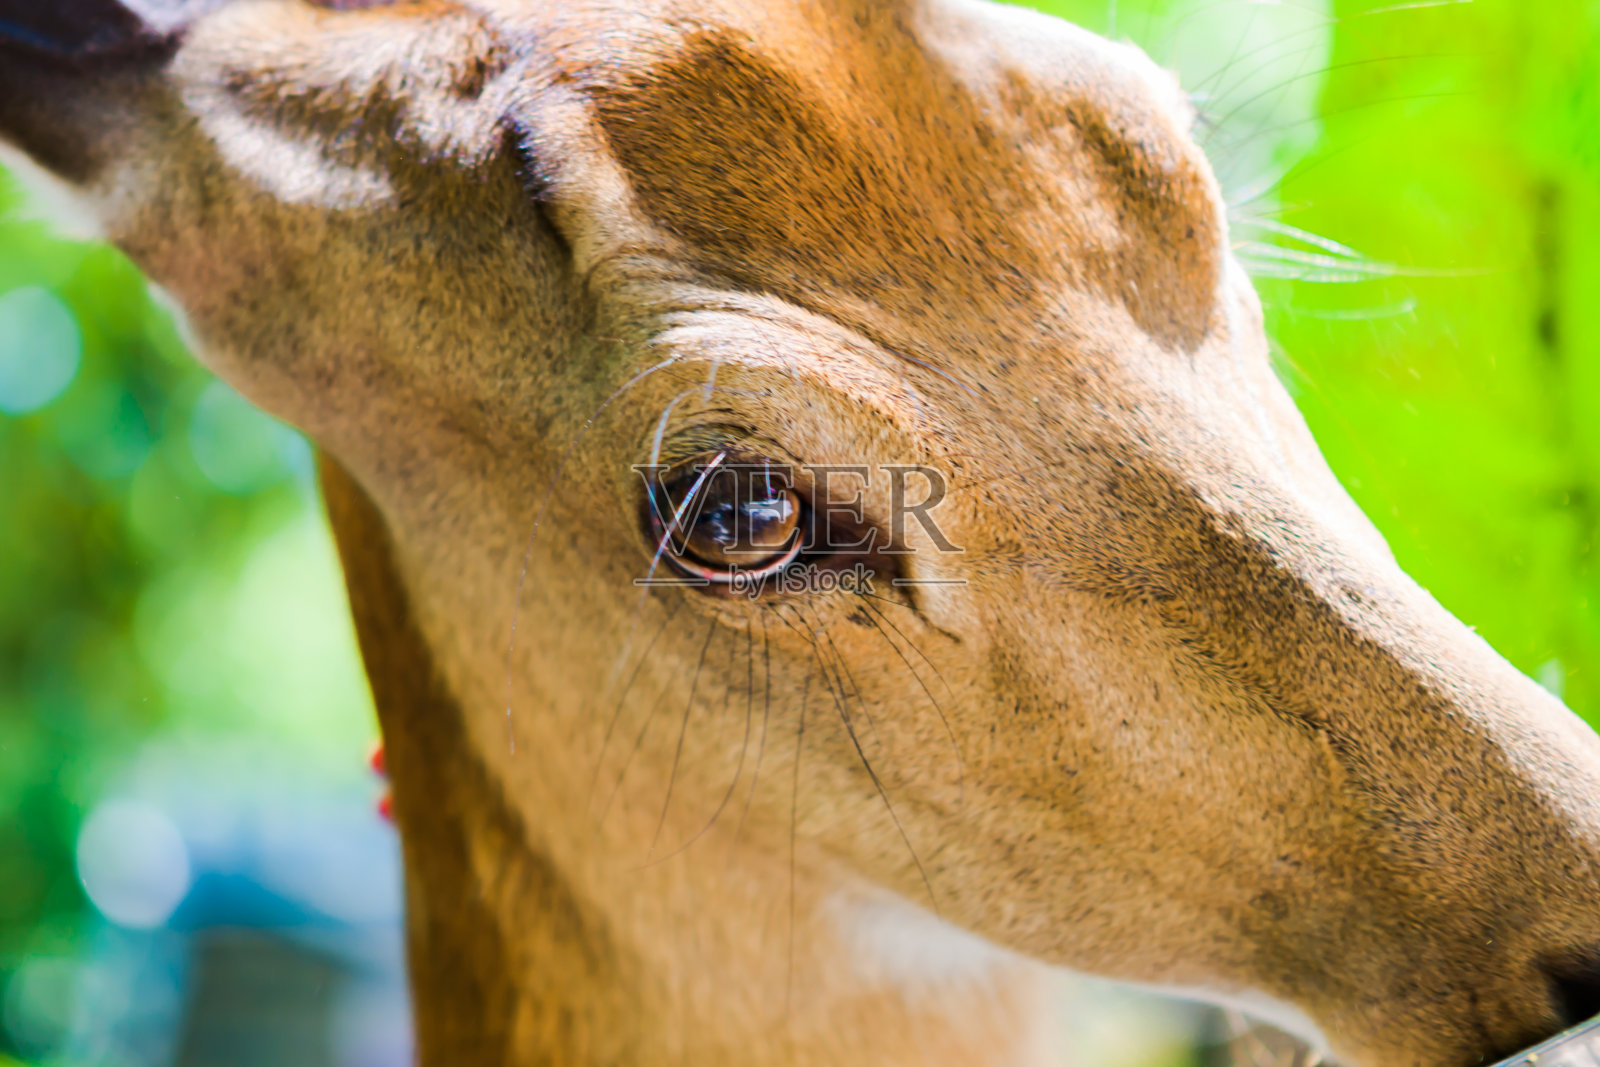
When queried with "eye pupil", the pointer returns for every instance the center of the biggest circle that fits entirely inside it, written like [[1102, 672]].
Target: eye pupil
[[770, 523], [746, 519]]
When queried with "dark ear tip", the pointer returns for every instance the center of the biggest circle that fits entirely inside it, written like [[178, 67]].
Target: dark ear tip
[[77, 31], [73, 74]]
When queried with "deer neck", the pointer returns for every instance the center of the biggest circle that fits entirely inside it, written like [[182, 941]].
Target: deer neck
[[508, 964], [520, 954]]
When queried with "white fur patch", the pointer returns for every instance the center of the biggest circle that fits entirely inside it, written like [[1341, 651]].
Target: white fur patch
[[894, 942], [296, 171], [50, 200], [1285, 1017], [166, 16]]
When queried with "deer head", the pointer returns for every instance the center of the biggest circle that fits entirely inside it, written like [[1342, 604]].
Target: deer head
[[1067, 648]]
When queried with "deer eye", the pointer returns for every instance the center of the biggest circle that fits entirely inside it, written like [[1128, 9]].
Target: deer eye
[[717, 519]]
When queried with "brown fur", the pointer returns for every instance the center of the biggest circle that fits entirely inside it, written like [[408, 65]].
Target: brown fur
[[1185, 723]]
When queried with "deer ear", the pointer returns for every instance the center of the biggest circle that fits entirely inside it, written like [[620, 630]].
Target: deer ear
[[71, 69], [74, 31], [82, 80], [403, 85]]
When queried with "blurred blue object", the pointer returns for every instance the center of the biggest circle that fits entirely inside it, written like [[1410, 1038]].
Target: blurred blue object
[[239, 928], [1578, 1047]]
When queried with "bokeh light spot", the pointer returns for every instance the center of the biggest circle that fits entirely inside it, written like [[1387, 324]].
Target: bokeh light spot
[[237, 447], [133, 863], [40, 348], [38, 1003], [105, 431]]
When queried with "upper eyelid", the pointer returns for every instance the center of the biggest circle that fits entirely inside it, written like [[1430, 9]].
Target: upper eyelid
[[715, 431], [798, 478], [812, 439]]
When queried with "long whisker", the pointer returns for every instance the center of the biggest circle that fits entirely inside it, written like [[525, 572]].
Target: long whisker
[[1203, 87], [1276, 261], [932, 666], [538, 519], [844, 673], [1258, 190], [1236, 142], [616, 712], [794, 818], [738, 771], [877, 783], [931, 369], [1398, 309], [627, 762], [1295, 233], [1412, 5], [766, 714], [683, 730], [1180, 26], [831, 674], [875, 614], [1298, 76], [1238, 42], [1323, 23]]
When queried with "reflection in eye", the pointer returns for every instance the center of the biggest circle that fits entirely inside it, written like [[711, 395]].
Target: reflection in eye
[[717, 519]]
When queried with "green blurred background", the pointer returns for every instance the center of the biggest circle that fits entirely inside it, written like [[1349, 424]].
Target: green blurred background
[[1416, 187]]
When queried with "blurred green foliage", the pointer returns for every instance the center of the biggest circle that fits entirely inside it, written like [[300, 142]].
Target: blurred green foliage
[[1469, 427], [1423, 240], [1415, 185], [163, 574]]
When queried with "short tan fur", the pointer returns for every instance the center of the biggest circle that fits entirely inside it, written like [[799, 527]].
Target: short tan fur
[[1171, 715]]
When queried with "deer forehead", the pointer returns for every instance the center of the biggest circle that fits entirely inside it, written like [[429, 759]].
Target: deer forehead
[[980, 169], [1002, 197], [879, 157]]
